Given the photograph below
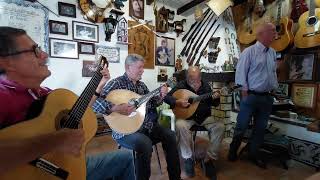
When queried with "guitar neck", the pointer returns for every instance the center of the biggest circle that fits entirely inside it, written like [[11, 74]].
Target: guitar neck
[[203, 96], [279, 12], [312, 8]]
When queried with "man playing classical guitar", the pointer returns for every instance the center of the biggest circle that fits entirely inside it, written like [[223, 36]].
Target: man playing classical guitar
[[23, 67], [201, 116], [150, 132]]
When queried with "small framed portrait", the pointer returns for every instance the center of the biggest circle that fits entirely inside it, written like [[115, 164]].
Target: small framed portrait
[[66, 9], [165, 51], [86, 48], [58, 27], [61, 48], [136, 8], [301, 67], [88, 68], [283, 90], [85, 32], [162, 20], [162, 75], [304, 95]]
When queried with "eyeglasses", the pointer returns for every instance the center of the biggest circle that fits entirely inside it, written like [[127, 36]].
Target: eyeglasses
[[36, 49]]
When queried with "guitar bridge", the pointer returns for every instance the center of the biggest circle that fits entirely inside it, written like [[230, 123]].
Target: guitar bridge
[[311, 34], [50, 168]]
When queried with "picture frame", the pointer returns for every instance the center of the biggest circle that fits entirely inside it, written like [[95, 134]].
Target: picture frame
[[136, 8], [66, 9], [301, 67], [61, 48], [86, 48], [88, 68], [85, 31], [283, 90], [304, 95], [162, 20], [165, 51], [58, 27]]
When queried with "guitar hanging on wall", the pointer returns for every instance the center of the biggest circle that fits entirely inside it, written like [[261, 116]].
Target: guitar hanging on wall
[[308, 34], [283, 28]]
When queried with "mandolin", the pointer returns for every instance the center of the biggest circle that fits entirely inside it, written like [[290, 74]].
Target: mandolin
[[128, 124], [298, 8], [61, 109], [308, 34], [284, 30], [246, 32]]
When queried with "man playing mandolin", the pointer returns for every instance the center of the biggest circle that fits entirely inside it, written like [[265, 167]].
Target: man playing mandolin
[[202, 116], [150, 132], [23, 67]]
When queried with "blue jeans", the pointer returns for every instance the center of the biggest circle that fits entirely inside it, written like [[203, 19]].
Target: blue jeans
[[141, 142], [108, 165], [256, 106]]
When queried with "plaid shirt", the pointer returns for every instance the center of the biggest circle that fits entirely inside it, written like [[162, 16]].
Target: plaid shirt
[[123, 82]]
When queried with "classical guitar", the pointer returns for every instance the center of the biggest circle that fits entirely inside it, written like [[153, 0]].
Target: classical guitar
[[246, 31], [128, 124], [61, 109], [283, 28], [308, 34], [298, 8], [194, 100]]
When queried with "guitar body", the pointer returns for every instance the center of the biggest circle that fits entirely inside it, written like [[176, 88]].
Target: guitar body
[[317, 2], [307, 35], [246, 35], [285, 35], [184, 113], [122, 123], [48, 121]]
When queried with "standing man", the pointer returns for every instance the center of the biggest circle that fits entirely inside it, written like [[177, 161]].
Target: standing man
[[150, 132], [256, 72], [202, 116], [24, 68]]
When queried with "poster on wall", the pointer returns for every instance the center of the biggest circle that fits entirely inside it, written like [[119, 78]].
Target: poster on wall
[[141, 41], [136, 8], [304, 95], [165, 51], [88, 68], [111, 53], [31, 17]]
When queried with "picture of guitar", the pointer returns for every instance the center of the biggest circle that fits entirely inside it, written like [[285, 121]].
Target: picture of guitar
[[308, 34], [246, 32], [284, 30], [61, 109], [128, 124]]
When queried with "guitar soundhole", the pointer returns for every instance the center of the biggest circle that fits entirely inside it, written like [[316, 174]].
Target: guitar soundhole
[[61, 119], [278, 28], [312, 21]]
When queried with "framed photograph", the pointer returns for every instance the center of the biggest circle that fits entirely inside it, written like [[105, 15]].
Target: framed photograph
[[301, 67], [304, 95], [61, 48], [88, 68], [111, 53], [165, 52], [162, 75], [86, 48], [58, 27], [283, 90], [66, 9], [162, 20], [85, 32], [136, 8]]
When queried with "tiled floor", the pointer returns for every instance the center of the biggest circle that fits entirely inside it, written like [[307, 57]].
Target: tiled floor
[[239, 170]]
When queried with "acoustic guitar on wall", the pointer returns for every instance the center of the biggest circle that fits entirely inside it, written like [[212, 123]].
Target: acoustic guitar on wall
[[246, 31], [61, 109], [308, 34], [284, 30], [298, 8]]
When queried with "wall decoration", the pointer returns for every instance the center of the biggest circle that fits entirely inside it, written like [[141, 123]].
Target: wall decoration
[[86, 48], [141, 41], [122, 31], [58, 27], [283, 90], [162, 20], [162, 75], [110, 24], [85, 31], [66, 9], [165, 52], [31, 17], [61, 48], [111, 53], [178, 26], [136, 8], [88, 68], [213, 50], [170, 15], [94, 12], [304, 95], [301, 67]]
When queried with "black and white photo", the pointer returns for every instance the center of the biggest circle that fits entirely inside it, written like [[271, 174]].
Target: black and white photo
[[85, 31], [86, 48], [58, 27], [66, 9], [60, 48]]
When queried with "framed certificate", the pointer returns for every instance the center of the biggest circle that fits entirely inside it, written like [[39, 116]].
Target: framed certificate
[[304, 95]]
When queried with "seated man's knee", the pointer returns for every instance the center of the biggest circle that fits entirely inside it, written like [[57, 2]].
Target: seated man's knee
[[143, 146], [181, 124]]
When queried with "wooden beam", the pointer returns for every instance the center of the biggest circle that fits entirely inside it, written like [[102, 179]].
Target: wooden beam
[[188, 6]]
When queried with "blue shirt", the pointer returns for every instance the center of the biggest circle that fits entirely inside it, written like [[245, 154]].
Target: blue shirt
[[123, 82], [256, 69]]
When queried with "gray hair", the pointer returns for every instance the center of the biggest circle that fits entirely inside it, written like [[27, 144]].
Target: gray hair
[[133, 58]]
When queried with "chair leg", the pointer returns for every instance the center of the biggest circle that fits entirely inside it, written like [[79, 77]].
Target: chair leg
[[194, 145], [159, 163]]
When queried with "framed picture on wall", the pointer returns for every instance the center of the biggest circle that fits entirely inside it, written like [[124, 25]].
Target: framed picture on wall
[[301, 67], [85, 31], [165, 51], [66, 9], [58, 27], [86, 48], [88, 68], [136, 8], [61, 48], [283, 90], [304, 95]]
